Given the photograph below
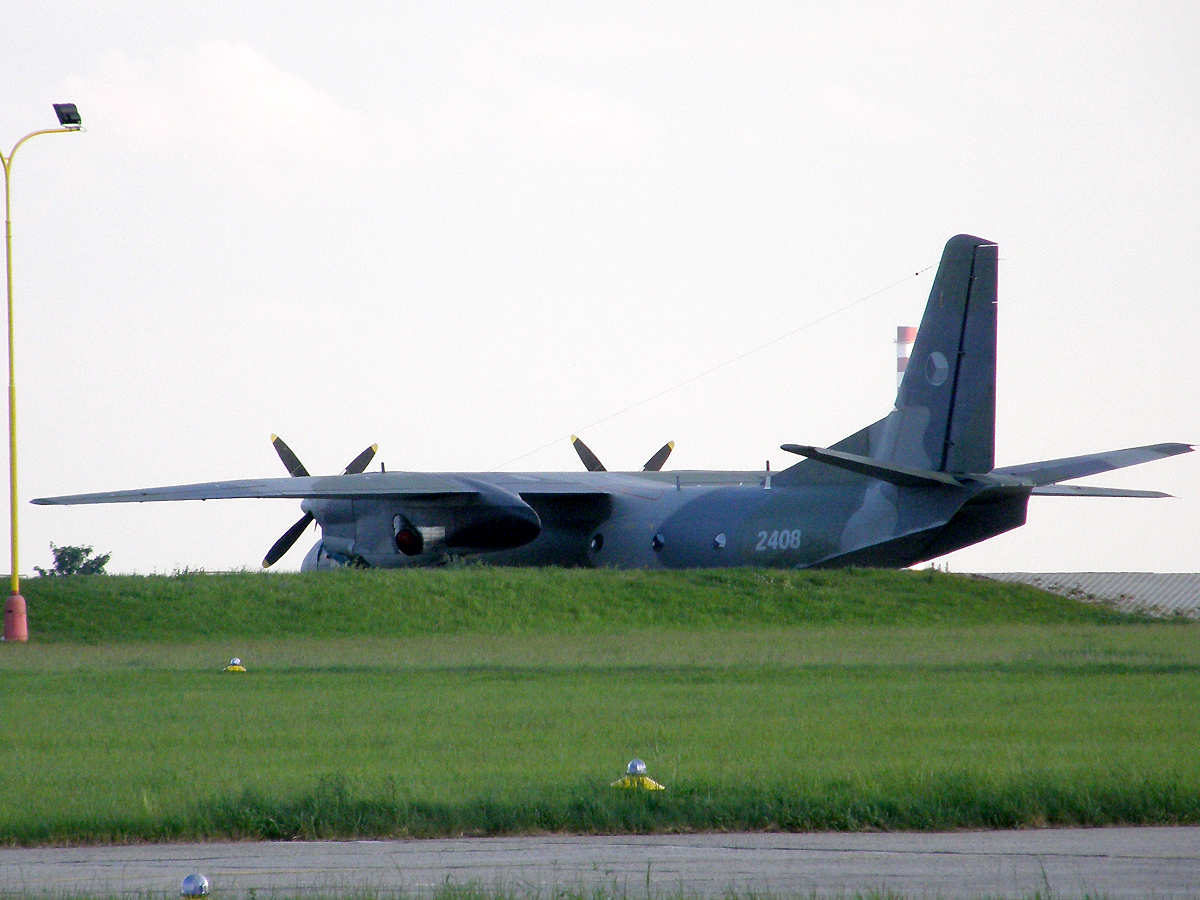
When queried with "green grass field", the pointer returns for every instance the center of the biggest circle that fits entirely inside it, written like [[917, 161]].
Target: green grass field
[[469, 701]]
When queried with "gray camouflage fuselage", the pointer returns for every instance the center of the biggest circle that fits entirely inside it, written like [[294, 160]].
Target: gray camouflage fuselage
[[638, 521], [919, 483]]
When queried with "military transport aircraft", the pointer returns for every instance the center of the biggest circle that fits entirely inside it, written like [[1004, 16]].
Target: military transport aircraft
[[915, 485]]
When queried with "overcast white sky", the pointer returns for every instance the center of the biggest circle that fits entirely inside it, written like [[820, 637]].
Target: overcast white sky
[[466, 231]]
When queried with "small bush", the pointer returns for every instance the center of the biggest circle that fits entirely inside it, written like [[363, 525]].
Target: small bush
[[74, 561]]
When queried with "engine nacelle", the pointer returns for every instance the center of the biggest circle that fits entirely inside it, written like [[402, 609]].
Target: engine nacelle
[[496, 520], [409, 539]]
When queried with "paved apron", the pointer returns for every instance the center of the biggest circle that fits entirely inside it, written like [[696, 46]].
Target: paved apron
[[1113, 862]]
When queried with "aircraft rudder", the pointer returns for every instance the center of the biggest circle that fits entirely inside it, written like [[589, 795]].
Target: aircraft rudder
[[947, 398], [945, 412]]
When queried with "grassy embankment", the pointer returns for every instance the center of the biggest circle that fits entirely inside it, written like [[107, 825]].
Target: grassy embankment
[[477, 701]]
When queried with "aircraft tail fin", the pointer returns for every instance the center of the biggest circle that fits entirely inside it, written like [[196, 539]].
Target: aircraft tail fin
[[943, 425], [945, 416]]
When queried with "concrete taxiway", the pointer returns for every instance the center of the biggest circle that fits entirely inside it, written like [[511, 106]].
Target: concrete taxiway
[[1112, 862]]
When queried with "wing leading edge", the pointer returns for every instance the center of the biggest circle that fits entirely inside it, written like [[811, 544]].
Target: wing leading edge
[[380, 485], [375, 484]]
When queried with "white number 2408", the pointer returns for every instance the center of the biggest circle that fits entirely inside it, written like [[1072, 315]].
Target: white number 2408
[[778, 540]]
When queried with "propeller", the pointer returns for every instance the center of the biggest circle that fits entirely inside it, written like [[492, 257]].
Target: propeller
[[655, 463], [592, 463], [291, 462], [284, 544], [296, 469]]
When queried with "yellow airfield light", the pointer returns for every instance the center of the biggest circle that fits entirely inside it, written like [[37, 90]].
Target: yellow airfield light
[[636, 779]]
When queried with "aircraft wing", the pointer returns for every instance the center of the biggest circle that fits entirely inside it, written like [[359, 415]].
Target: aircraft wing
[[1053, 471], [374, 484], [397, 485]]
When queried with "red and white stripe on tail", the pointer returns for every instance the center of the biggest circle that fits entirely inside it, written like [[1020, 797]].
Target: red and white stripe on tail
[[906, 335]]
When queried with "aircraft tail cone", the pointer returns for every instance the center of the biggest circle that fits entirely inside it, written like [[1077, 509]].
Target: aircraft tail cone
[[16, 628]]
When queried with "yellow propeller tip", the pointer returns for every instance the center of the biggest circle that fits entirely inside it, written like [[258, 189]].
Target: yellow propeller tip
[[573, 439], [671, 444], [274, 438]]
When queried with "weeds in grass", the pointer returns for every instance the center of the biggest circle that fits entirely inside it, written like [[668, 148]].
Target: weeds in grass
[[334, 811]]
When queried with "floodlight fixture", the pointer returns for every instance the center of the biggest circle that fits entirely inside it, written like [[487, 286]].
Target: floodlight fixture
[[68, 115]]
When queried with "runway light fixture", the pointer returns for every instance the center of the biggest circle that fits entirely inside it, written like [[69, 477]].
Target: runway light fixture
[[636, 779], [194, 886]]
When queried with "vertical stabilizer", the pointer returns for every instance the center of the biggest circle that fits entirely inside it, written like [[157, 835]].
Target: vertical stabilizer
[[945, 415]]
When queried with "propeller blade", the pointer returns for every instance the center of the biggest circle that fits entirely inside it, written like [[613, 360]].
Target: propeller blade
[[655, 463], [360, 463], [290, 461], [590, 461], [284, 544], [296, 469]]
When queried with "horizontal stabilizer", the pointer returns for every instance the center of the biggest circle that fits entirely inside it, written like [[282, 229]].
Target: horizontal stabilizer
[[904, 476], [1079, 490], [1054, 470]]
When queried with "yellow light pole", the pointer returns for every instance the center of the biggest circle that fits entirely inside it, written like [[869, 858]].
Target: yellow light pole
[[15, 625]]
